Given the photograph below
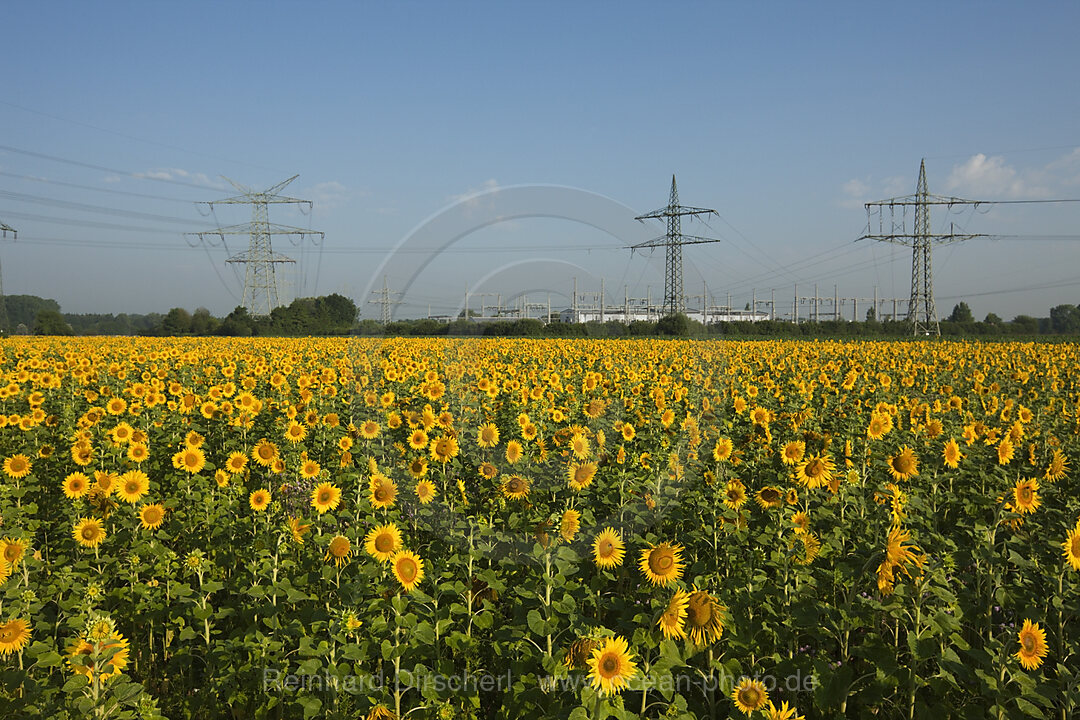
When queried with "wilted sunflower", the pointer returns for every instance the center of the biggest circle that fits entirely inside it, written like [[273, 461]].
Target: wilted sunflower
[[904, 465], [1026, 496], [425, 491], [568, 526], [801, 521], [339, 550], [750, 696], [611, 666], [608, 549], [769, 497], [259, 500], [382, 542], [380, 712], [580, 475], [1071, 547], [1032, 645], [76, 485], [672, 620], [577, 655], [88, 532], [704, 620], [325, 497], [900, 555], [132, 486], [811, 547], [408, 569], [14, 636], [151, 516], [662, 565]]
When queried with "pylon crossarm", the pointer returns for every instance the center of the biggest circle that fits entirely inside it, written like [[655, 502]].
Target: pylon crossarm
[[905, 239]]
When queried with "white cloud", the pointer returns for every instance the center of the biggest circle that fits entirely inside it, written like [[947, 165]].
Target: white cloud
[[857, 191], [471, 194], [981, 176], [180, 174], [327, 195]]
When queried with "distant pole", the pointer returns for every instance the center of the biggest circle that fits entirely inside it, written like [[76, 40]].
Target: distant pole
[[816, 316], [772, 305], [877, 309], [836, 303], [648, 303], [574, 300], [466, 301], [626, 304], [795, 305], [602, 292]]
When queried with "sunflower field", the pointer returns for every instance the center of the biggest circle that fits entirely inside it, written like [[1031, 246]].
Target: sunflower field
[[433, 528]]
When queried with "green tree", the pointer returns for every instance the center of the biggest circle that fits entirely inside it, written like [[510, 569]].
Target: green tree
[[1065, 319], [51, 322], [677, 325], [177, 322], [961, 313]]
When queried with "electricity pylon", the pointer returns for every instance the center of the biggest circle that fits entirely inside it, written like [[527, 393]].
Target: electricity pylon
[[4, 230], [385, 298], [673, 241], [260, 280], [921, 311]]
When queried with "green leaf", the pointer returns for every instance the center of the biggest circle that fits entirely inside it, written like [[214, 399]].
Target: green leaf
[[536, 623]]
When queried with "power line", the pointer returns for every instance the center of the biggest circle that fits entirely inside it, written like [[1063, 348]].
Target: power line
[[85, 207]]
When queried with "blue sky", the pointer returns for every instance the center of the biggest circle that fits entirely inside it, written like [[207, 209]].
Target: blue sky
[[784, 117]]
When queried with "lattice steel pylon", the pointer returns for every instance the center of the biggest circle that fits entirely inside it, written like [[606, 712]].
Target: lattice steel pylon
[[4, 230], [673, 241], [260, 278], [921, 311]]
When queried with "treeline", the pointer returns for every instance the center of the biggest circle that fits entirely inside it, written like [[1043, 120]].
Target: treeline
[[328, 315]]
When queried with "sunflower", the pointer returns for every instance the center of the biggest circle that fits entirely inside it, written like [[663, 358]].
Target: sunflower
[[761, 417], [801, 521], [879, 426], [425, 491], [900, 555], [579, 446], [628, 432], [662, 564], [722, 449], [793, 452], [17, 466], [14, 636], [488, 471], [904, 465], [236, 463], [115, 647], [104, 482], [952, 454], [671, 622], [734, 494], [298, 529], [811, 547], [264, 452], [12, 551], [325, 497], [1059, 466], [704, 622], [611, 666], [259, 499], [1071, 547], [418, 440], [513, 451], [418, 467], [408, 569], [138, 452], [750, 696], [151, 516], [1005, 451], [382, 491], [369, 430], [769, 497], [1032, 645], [1026, 496], [791, 497], [569, 524], [815, 471], [608, 549], [382, 542], [487, 435], [88, 532], [133, 485], [784, 712], [580, 475], [190, 459], [339, 550], [444, 449], [76, 485], [295, 432]]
